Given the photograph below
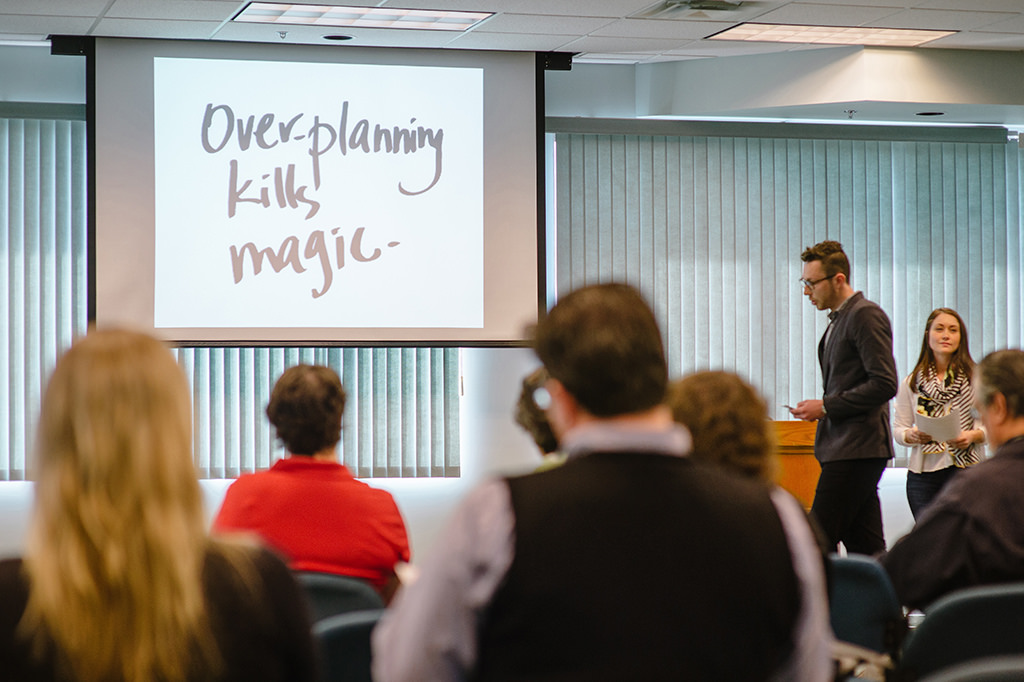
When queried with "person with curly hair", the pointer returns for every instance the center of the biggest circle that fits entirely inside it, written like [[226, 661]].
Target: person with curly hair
[[728, 422], [531, 415], [308, 506]]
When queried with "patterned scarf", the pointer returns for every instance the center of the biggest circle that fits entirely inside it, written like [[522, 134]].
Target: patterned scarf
[[937, 398]]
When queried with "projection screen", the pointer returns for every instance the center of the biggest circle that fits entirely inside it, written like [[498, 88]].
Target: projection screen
[[264, 194]]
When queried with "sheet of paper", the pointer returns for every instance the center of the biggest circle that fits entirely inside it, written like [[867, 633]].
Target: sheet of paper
[[940, 429]]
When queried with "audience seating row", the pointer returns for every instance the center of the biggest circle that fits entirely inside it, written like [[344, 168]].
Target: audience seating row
[[972, 634]]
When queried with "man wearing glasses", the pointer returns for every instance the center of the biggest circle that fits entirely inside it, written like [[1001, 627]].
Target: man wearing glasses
[[853, 441]]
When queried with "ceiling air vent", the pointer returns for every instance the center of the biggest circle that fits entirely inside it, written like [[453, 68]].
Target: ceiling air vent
[[677, 9]]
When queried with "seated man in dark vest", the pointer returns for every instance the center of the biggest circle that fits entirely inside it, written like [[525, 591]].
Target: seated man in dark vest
[[629, 562]]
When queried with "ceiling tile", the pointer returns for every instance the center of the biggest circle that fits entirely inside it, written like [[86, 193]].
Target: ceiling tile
[[948, 20], [481, 40], [54, 8], [454, 5], [979, 5], [192, 10], [628, 45], [53, 25], [536, 23], [582, 8], [977, 40], [891, 4], [1006, 26], [825, 15], [186, 30], [653, 28]]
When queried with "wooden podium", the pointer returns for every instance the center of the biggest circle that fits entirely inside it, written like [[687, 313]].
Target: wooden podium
[[798, 469]]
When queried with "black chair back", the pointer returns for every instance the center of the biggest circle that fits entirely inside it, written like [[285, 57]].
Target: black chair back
[[331, 594], [995, 669], [344, 642], [863, 606], [966, 625]]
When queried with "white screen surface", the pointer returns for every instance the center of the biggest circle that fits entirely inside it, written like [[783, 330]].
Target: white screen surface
[[286, 197]]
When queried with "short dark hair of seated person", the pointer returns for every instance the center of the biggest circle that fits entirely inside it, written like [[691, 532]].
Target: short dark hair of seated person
[[973, 531], [579, 335], [728, 421], [306, 407], [120, 580], [309, 506]]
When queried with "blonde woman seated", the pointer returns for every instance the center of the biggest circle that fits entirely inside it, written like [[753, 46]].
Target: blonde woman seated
[[119, 580], [728, 421]]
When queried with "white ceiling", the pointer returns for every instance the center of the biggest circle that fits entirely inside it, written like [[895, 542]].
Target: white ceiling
[[597, 30]]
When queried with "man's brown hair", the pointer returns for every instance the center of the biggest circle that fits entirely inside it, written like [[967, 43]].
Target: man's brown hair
[[305, 408], [833, 258], [603, 344]]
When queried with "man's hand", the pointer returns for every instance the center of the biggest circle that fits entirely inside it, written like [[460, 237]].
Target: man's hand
[[808, 410]]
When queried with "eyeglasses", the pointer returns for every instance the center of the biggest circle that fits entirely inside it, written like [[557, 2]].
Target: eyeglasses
[[809, 283]]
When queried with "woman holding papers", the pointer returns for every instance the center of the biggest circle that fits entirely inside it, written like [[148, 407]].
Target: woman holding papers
[[938, 396]]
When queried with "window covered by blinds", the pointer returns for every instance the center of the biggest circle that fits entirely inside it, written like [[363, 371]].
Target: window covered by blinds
[[43, 240], [711, 229], [402, 416]]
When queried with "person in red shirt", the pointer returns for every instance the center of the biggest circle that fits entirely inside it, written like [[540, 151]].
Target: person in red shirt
[[308, 506]]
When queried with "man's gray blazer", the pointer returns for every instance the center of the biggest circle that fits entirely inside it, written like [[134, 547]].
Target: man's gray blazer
[[859, 378]]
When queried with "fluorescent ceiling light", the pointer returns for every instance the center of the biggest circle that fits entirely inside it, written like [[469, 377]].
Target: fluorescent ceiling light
[[359, 17], [832, 35]]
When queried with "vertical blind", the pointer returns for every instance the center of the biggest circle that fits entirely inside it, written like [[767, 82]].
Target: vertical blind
[[402, 416], [42, 237], [711, 230]]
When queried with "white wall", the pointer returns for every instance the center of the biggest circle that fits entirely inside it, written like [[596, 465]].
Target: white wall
[[31, 74], [427, 504]]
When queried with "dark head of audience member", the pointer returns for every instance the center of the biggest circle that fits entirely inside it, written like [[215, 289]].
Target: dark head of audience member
[[728, 421], [1000, 395], [603, 346], [306, 408], [119, 579], [531, 416]]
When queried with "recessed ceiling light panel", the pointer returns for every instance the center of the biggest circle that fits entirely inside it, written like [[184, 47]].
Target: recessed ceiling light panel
[[359, 17], [831, 35]]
